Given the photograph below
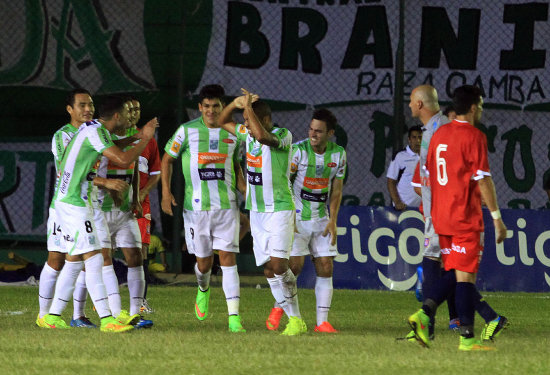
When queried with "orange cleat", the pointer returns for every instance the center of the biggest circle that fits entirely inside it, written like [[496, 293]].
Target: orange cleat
[[325, 327]]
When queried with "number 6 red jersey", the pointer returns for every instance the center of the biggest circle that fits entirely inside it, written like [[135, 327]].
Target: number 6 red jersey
[[457, 158]]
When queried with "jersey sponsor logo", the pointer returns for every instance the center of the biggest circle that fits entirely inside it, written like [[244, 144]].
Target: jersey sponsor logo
[[207, 174], [253, 161], [331, 165], [175, 148], [211, 158], [254, 178], [315, 183], [65, 182], [459, 249], [103, 133], [228, 141], [313, 197]]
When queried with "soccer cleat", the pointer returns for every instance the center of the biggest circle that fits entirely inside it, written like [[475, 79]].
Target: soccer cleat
[[40, 321], [274, 318], [110, 324], [143, 323], [145, 308], [125, 318], [454, 324], [325, 327], [201, 304], [419, 322], [472, 344], [494, 328], [82, 322], [55, 321], [295, 326], [411, 337], [235, 324]]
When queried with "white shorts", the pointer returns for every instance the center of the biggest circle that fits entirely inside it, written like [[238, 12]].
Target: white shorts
[[206, 231], [124, 230], [55, 240], [310, 240], [273, 233], [78, 227], [431, 241]]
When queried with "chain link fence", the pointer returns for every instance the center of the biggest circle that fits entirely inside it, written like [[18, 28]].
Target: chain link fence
[[359, 59]]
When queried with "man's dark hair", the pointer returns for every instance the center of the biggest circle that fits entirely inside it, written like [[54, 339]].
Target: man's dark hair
[[110, 105], [464, 97], [69, 99], [416, 128], [449, 109], [211, 92], [261, 109], [323, 114]]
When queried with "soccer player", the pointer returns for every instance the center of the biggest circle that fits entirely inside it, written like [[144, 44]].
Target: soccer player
[[73, 206], [124, 232], [80, 106], [460, 178], [211, 219], [149, 176], [401, 170], [317, 170], [269, 199]]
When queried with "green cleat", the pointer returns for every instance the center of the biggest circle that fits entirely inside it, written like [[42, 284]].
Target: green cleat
[[411, 337], [40, 322], [295, 326], [110, 324], [54, 321], [472, 344], [494, 328], [125, 318], [419, 323], [235, 324], [201, 304]]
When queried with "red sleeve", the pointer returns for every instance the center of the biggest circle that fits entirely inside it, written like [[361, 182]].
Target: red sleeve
[[416, 176], [154, 157], [479, 156]]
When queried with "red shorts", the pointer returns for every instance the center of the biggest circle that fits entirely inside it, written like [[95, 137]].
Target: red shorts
[[462, 252], [145, 229]]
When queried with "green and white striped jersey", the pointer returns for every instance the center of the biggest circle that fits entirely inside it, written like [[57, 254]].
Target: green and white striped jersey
[[60, 140], [108, 169], [268, 172], [208, 158], [76, 168], [313, 175]]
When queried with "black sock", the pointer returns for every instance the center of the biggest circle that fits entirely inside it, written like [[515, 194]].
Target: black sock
[[465, 302], [451, 302], [432, 272], [484, 310]]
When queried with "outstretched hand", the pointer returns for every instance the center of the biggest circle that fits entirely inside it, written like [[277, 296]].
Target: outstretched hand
[[149, 129], [246, 99]]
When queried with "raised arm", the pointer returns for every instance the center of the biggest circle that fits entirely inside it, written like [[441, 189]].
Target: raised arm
[[255, 127], [225, 120]]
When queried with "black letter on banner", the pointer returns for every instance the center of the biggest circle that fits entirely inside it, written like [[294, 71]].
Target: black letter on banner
[[248, 32], [521, 136], [293, 45], [369, 18], [438, 34], [523, 56]]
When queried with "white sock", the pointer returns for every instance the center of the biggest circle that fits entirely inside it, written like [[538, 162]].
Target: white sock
[[46, 288], [79, 296], [290, 292], [111, 286], [323, 296], [203, 278], [277, 291], [231, 288], [96, 288], [136, 287], [65, 286]]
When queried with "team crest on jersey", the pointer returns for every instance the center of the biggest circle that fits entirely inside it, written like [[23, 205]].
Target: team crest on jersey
[[214, 144], [257, 149], [426, 242], [319, 170], [175, 147], [91, 240]]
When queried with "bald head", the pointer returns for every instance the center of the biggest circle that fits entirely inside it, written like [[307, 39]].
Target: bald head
[[424, 102]]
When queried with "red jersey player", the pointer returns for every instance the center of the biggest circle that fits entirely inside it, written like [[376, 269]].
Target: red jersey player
[[459, 177]]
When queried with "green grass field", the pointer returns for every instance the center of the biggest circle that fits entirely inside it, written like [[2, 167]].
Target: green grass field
[[179, 344]]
